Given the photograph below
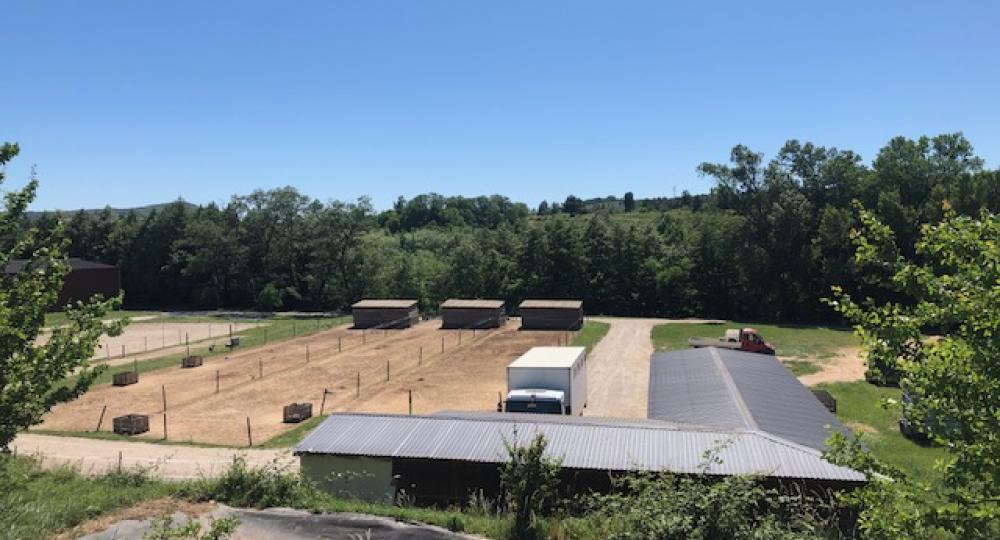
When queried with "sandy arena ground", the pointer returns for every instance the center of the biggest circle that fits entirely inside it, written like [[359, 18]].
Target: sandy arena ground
[[143, 337], [466, 376]]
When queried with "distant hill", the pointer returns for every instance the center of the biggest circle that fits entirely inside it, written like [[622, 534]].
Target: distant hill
[[138, 210]]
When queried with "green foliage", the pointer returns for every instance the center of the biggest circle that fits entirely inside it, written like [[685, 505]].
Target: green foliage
[[165, 529], [30, 373], [529, 481], [952, 383], [37, 503], [256, 487], [659, 506]]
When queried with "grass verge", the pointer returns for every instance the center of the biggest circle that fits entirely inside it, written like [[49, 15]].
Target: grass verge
[[38, 503], [859, 407], [591, 334], [111, 436], [294, 435], [790, 341]]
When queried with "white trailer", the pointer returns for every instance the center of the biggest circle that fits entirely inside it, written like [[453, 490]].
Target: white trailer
[[548, 380]]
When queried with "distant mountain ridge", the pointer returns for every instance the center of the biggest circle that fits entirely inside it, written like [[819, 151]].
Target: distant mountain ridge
[[138, 210]]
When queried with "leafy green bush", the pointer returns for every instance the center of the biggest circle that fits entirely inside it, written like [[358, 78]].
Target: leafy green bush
[[664, 506], [257, 487]]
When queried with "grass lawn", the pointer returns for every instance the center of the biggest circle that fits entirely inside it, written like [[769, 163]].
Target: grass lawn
[[858, 406], [790, 341], [801, 367], [294, 435], [57, 318], [591, 334], [274, 329]]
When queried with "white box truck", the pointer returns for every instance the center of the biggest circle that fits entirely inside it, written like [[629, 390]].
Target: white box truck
[[548, 380]]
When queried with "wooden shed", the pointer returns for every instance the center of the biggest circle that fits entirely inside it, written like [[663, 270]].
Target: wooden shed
[[385, 313], [551, 314], [84, 280], [459, 313]]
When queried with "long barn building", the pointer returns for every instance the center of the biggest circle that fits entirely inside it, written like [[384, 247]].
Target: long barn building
[[385, 313], [551, 314], [461, 313], [85, 280]]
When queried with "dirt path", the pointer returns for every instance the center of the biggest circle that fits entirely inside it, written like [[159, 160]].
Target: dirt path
[[618, 373], [170, 462], [847, 365]]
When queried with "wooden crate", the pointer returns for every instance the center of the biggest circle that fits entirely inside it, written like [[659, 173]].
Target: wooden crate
[[131, 424], [191, 361], [297, 412], [125, 378]]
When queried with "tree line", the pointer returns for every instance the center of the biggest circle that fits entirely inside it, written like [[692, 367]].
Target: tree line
[[767, 242]]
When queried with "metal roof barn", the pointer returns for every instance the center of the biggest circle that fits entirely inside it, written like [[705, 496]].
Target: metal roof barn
[[385, 313], [474, 313], [84, 280], [450, 442], [551, 314], [733, 390]]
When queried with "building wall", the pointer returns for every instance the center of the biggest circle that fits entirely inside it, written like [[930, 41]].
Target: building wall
[[385, 317], [84, 284], [366, 478], [473, 317], [551, 318]]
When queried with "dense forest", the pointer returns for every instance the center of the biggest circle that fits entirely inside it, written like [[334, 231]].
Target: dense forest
[[767, 242]]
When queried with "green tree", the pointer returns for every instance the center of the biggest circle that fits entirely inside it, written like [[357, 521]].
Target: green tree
[[529, 480], [32, 376], [953, 382]]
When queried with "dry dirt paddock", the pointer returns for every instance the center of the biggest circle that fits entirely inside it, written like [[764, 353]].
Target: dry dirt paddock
[[466, 375]]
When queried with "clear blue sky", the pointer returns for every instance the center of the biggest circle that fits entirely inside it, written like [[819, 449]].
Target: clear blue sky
[[129, 103]]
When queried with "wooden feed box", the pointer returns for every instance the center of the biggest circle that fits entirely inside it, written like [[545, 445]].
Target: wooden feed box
[[125, 378], [131, 424], [191, 361], [297, 412]]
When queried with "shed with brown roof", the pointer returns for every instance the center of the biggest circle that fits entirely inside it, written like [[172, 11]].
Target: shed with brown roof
[[551, 314], [465, 313], [385, 313]]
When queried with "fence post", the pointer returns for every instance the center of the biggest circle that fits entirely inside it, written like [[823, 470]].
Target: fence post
[[340, 343], [163, 390], [322, 405], [101, 419], [411, 401], [442, 344], [359, 384], [307, 354], [387, 370], [249, 436], [187, 339], [164, 426], [420, 359]]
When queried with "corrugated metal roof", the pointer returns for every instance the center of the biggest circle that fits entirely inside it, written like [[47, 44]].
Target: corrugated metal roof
[[727, 389], [596, 444], [384, 303], [551, 304], [549, 357], [460, 303]]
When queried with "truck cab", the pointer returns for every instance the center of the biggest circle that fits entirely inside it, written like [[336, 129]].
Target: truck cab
[[539, 401], [751, 341]]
